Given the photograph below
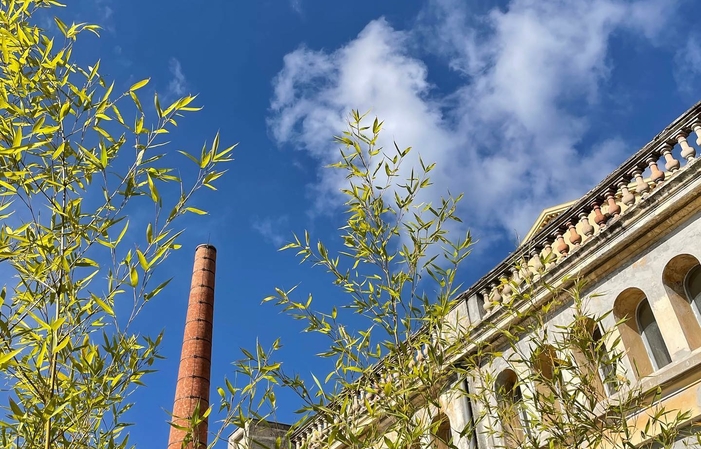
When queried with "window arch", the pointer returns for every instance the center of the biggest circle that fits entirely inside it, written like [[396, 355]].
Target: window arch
[[510, 408], [469, 413], [640, 333], [547, 385], [682, 281], [441, 434], [606, 368], [592, 357]]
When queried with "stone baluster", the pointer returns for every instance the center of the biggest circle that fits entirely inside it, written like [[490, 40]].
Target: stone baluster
[[549, 256], [516, 278], [697, 130], [627, 197], [523, 271], [495, 297], [672, 164], [599, 217], [515, 281], [688, 152], [585, 225], [656, 175], [561, 245], [419, 356], [506, 289], [412, 361], [641, 186], [614, 208], [535, 264], [370, 395], [575, 238]]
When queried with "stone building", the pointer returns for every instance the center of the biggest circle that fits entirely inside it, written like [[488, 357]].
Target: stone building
[[636, 240]]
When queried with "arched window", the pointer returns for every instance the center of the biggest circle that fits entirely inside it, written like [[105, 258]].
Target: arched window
[[681, 278], [441, 435], [469, 413], [640, 333], [597, 371], [548, 383], [692, 287], [652, 336], [510, 408], [606, 368]]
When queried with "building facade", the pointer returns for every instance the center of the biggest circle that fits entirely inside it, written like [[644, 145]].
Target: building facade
[[635, 239]]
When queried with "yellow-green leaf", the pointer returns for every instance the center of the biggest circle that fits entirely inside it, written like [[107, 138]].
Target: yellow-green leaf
[[17, 139], [7, 357], [139, 85], [133, 277], [104, 306], [142, 260], [194, 210]]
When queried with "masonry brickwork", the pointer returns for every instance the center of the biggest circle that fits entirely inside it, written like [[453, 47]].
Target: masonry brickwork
[[192, 390]]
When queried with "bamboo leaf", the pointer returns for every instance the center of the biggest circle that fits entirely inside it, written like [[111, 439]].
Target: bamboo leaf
[[139, 85]]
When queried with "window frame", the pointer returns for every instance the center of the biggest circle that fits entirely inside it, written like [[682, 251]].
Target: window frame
[[695, 270], [644, 337], [516, 401]]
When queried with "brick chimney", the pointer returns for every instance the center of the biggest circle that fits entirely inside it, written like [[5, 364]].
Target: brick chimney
[[195, 359]]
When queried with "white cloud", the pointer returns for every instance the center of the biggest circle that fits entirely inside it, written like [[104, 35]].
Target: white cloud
[[687, 64], [178, 83], [273, 230], [505, 137]]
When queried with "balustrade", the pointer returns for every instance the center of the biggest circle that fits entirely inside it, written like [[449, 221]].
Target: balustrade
[[630, 184]]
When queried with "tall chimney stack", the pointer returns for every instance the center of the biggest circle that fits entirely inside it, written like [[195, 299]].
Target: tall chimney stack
[[195, 360]]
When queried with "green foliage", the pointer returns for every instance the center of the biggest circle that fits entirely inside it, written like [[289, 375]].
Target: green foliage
[[532, 381], [398, 270], [76, 159]]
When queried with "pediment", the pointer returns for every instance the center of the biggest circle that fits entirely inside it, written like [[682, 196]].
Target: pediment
[[545, 217]]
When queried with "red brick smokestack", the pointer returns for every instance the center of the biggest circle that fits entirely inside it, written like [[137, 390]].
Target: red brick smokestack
[[195, 360]]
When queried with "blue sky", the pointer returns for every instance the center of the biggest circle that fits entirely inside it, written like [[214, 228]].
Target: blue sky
[[523, 103]]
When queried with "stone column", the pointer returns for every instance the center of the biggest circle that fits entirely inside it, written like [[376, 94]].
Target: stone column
[[192, 389]]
